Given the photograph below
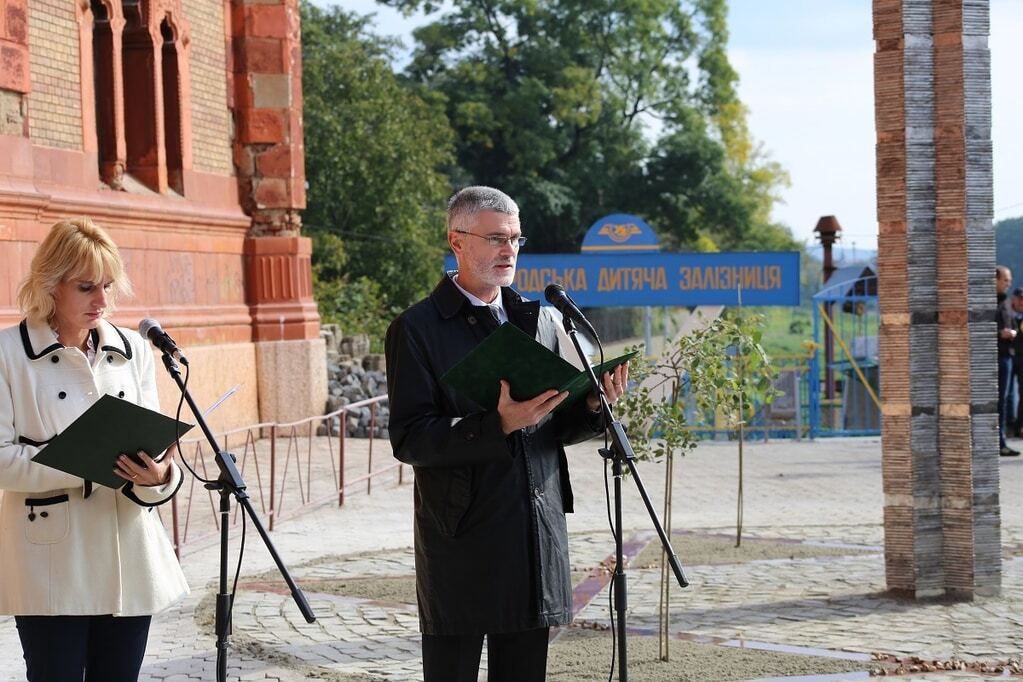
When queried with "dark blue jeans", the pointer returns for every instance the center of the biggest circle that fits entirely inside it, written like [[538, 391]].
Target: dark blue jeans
[[1004, 378], [77, 648]]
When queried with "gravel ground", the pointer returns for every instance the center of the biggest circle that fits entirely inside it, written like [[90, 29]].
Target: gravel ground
[[582, 655]]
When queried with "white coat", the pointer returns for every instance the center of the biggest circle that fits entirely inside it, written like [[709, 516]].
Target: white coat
[[68, 547]]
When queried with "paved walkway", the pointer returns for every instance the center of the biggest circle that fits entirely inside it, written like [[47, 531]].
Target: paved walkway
[[827, 492]]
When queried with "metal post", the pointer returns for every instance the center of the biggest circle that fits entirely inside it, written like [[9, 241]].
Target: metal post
[[341, 457], [372, 428], [273, 474]]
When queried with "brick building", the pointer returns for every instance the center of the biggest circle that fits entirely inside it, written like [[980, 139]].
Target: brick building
[[177, 126]]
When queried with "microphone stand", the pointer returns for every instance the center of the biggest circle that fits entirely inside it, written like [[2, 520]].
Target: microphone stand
[[621, 451], [230, 483]]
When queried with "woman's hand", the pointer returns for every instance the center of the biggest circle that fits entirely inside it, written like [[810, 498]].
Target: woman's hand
[[147, 471]]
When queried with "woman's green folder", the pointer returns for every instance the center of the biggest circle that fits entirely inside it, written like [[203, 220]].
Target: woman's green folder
[[90, 446]]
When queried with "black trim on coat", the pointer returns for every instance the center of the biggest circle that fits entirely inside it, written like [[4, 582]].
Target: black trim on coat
[[29, 351], [126, 352], [45, 501], [22, 440], [127, 491]]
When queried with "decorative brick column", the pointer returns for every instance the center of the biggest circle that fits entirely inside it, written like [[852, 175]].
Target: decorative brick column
[[267, 75], [936, 282], [268, 153]]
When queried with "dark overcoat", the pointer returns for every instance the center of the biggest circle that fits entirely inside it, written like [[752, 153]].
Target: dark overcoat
[[491, 542]]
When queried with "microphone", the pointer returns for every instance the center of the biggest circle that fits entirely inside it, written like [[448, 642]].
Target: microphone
[[151, 330], [556, 296]]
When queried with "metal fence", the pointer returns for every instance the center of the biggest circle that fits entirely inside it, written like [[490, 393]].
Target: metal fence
[[288, 468], [787, 416], [845, 373]]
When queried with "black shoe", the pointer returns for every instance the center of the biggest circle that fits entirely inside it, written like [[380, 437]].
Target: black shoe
[[1006, 451]]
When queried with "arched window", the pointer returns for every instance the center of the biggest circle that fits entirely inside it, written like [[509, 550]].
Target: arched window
[[138, 66], [110, 167], [137, 50], [172, 107]]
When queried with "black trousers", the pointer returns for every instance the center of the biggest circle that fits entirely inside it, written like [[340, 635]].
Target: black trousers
[[77, 648], [511, 657]]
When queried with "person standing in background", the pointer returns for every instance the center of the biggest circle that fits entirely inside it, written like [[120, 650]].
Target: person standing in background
[[1017, 365], [1006, 321]]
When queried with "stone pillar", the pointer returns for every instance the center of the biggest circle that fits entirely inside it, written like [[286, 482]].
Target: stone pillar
[[268, 150], [936, 282]]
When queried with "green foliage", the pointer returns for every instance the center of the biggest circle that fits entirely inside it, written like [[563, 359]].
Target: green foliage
[[356, 304], [557, 101], [1009, 247], [787, 331], [721, 369], [376, 152]]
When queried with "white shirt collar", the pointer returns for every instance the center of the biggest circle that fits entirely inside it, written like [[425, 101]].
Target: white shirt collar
[[498, 303], [90, 346]]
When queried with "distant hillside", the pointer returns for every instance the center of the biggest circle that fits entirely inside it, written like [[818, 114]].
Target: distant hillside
[[1009, 247], [843, 254]]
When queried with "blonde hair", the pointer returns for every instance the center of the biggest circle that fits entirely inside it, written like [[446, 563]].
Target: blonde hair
[[74, 249]]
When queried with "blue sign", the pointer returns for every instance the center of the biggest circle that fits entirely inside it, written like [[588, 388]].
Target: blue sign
[[620, 233], [655, 279]]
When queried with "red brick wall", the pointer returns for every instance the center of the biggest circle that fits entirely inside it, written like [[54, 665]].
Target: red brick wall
[[56, 112], [211, 125], [14, 67], [187, 257]]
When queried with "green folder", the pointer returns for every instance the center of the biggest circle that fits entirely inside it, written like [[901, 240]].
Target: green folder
[[528, 366], [90, 446]]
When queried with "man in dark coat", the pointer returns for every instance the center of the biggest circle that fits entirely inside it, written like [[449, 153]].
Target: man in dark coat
[[1017, 360], [491, 486], [1005, 319]]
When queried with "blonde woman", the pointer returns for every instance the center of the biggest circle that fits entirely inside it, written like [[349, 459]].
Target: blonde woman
[[82, 567]]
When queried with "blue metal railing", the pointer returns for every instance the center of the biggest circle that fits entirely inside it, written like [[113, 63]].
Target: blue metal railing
[[844, 382]]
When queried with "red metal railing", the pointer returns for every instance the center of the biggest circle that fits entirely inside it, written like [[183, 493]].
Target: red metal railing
[[293, 469]]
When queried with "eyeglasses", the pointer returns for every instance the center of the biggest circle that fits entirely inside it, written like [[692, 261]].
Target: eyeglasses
[[498, 242]]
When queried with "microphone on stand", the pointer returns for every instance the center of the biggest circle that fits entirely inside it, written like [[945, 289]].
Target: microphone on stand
[[151, 330], [556, 296]]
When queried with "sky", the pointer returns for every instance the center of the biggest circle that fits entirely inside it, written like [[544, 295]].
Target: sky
[[806, 76]]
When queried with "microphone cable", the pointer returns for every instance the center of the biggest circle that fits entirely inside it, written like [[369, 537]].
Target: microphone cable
[[205, 481]]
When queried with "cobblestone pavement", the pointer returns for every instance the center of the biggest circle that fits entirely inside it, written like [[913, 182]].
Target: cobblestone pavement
[[827, 491]]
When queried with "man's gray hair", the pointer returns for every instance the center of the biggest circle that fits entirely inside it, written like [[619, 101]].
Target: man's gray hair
[[469, 201]]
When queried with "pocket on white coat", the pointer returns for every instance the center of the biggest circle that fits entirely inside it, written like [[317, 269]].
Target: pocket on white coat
[[47, 519]]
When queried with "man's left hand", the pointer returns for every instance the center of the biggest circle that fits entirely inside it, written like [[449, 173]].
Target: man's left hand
[[614, 384]]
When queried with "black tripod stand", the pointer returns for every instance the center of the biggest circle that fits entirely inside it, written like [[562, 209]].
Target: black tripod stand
[[230, 483], [621, 451]]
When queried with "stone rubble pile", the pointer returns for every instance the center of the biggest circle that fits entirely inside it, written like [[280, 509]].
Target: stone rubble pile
[[353, 375]]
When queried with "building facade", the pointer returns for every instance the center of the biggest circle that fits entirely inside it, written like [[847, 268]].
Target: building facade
[[177, 126]]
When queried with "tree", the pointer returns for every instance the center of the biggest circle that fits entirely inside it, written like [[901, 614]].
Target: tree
[[583, 107], [719, 370], [376, 151]]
